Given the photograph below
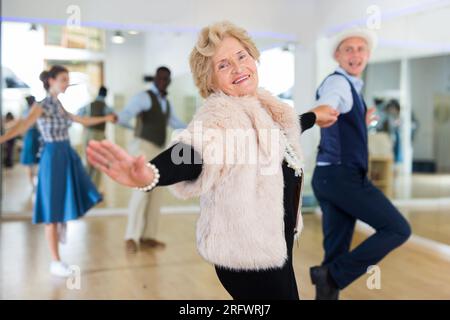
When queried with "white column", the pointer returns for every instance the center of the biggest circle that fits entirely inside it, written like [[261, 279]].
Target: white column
[[304, 97], [405, 115], [403, 181]]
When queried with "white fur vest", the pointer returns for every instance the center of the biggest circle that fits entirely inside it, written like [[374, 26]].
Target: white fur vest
[[241, 224]]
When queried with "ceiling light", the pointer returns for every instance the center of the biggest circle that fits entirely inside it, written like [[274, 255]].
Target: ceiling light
[[33, 27], [118, 38]]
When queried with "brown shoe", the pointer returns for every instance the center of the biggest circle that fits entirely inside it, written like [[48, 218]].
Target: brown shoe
[[131, 246], [152, 243]]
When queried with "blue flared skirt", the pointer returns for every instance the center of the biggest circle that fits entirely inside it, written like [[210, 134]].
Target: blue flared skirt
[[30, 151], [64, 191]]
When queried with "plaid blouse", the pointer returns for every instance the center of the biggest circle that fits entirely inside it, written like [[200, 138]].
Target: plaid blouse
[[54, 123]]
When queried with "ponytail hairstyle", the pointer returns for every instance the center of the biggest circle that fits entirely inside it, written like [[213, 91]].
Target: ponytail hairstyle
[[52, 73]]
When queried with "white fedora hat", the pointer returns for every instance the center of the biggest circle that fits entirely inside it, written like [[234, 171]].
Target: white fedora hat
[[368, 35]]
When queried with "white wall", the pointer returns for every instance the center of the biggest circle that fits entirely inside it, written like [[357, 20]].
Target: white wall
[[124, 66], [304, 97]]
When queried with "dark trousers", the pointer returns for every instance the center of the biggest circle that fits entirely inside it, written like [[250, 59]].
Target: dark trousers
[[8, 160], [345, 195], [274, 284]]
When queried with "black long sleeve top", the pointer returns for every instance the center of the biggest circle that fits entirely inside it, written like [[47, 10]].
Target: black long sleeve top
[[171, 173]]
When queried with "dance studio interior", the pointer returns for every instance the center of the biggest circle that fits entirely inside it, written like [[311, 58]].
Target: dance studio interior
[[123, 245]]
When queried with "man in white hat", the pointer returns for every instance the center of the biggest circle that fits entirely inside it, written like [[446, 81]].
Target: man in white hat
[[340, 180]]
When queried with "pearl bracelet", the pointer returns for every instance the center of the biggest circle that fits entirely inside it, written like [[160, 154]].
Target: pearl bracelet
[[155, 179]]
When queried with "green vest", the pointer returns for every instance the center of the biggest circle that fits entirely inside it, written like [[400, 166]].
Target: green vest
[[152, 124]]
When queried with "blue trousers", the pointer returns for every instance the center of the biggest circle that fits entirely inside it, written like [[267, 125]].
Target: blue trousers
[[345, 194]]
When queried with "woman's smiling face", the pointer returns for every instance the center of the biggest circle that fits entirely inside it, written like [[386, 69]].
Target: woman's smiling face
[[234, 69]]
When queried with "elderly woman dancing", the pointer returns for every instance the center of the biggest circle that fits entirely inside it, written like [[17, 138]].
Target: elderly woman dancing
[[241, 155]]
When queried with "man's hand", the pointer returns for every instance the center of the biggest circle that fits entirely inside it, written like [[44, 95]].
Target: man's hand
[[112, 117]]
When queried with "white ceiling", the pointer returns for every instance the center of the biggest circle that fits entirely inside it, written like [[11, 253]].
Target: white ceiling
[[408, 27], [265, 17]]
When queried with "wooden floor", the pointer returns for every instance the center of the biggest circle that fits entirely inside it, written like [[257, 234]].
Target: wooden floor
[[96, 245]]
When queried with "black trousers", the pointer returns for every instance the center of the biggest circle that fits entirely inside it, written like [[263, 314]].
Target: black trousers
[[273, 284], [345, 195]]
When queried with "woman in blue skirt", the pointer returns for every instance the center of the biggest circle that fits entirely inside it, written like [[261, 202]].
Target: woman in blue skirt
[[29, 155], [64, 191]]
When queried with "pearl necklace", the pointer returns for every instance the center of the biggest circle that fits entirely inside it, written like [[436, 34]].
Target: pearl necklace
[[291, 157]]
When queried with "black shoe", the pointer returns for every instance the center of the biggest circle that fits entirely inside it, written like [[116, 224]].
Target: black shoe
[[326, 289]]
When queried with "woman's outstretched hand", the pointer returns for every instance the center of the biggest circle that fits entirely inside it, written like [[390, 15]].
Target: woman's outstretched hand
[[118, 164], [326, 116]]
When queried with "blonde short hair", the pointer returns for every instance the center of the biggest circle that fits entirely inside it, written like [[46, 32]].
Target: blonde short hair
[[208, 40]]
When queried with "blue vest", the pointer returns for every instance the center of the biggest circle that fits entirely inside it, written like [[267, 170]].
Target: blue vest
[[345, 142]]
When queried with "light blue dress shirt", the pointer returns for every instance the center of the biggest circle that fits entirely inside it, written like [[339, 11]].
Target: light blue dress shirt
[[142, 102], [336, 91]]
